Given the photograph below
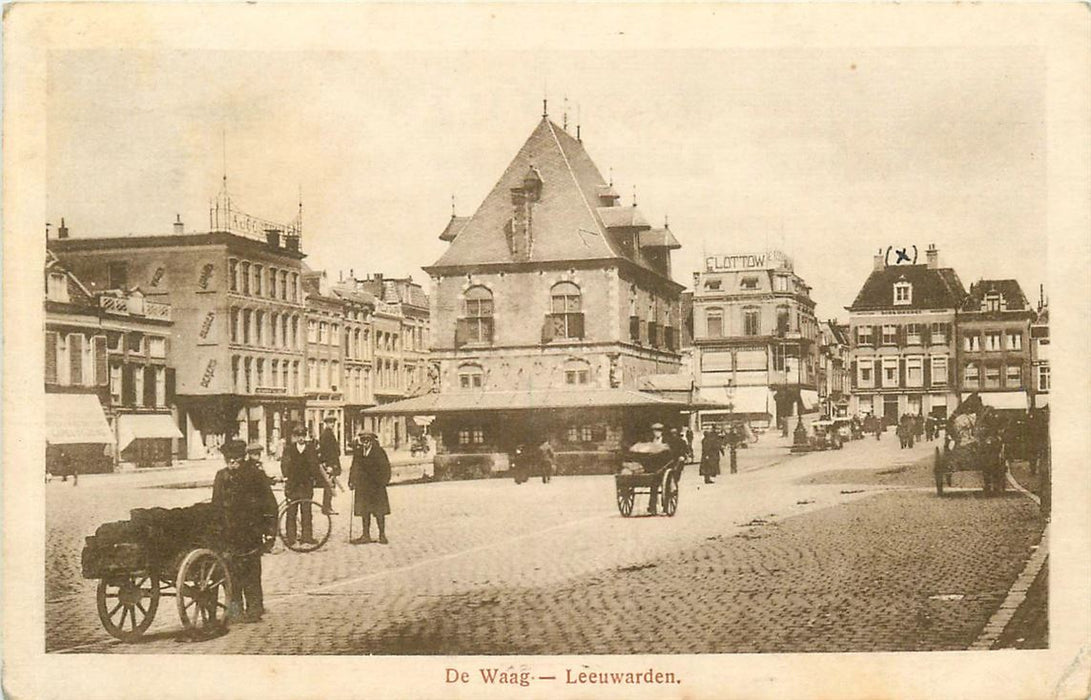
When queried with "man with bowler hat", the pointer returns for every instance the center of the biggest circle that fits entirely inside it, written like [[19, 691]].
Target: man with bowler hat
[[329, 451], [368, 477]]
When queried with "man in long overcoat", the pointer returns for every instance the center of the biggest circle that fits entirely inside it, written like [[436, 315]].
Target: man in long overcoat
[[368, 477], [249, 514], [300, 468], [711, 450], [329, 451]]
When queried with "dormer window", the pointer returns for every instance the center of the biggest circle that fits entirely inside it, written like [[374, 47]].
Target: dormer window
[[58, 287], [749, 283], [903, 293], [993, 301], [712, 285]]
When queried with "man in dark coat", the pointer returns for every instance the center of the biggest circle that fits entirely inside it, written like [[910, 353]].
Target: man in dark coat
[[249, 515], [329, 450], [368, 477], [300, 468]]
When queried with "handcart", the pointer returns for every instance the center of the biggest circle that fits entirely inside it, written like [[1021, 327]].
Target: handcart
[[160, 552], [650, 469], [973, 443]]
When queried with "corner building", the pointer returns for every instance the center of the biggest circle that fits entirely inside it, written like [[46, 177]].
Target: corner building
[[901, 326], [550, 304]]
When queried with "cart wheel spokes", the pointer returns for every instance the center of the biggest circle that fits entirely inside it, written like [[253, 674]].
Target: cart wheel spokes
[[670, 496], [292, 537], [204, 590], [625, 499], [127, 605]]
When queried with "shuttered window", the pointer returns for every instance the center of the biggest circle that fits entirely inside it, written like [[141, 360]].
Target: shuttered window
[[75, 359], [50, 358], [102, 375]]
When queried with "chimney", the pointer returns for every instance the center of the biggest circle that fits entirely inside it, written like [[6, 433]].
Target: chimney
[[933, 256], [880, 261], [272, 237], [179, 227], [291, 243], [62, 232]]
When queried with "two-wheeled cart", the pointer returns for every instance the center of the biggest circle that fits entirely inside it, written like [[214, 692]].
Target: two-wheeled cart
[[649, 469], [160, 552], [986, 457]]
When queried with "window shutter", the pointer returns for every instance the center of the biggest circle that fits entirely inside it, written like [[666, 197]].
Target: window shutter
[[170, 385], [102, 373], [901, 371], [901, 336], [50, 358], [75, 358], [854, 380], [547, 328], [149, 386], [576, 325], [947, 332], [128, 386], [926, 334], [462, 332], [634, 328]]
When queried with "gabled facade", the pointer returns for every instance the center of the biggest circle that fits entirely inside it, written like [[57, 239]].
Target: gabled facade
[[994, 344], [1039, 355], [834, 378], [901, 328], [551, 286]]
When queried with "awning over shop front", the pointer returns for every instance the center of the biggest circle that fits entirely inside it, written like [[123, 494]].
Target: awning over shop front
[[156, 425], [809, 397], [1041, 400], [75, 418], [423, 421], [1010, 400], [457, 401], [741, 399]]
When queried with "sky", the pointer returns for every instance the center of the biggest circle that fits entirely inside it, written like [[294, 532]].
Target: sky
[[827, 154]]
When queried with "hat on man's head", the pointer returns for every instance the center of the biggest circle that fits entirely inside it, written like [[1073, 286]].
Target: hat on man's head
[[657, 426], [364, 435], [299, 430], [233, 449], [330, 419], [255, 447]]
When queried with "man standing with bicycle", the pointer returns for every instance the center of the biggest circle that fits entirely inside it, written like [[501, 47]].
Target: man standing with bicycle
[[300, 467]]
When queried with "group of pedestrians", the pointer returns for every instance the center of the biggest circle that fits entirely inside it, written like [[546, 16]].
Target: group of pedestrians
[[243, 493]]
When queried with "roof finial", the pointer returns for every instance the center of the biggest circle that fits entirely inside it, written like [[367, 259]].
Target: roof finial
[[634, 195], [666, 221], [578, 122], [611, 176], [452, 205], [545, 108], [564, 114]]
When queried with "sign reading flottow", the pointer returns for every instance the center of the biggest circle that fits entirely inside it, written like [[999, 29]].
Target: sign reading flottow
[[768, 260]]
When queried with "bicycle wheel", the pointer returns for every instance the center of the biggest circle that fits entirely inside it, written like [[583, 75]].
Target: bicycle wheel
[[294, 537]]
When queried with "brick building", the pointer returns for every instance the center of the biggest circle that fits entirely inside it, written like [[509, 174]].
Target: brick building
[[901, 326], [755, 337], [994, 344], [108, 386], [358, 309], [551, 302], [237, 338], [325, 354]]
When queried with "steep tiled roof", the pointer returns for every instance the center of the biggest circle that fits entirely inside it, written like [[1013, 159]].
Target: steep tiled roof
[[454, 227], [659, 238], [933, 288], [566, 221], [1011, 291], [77, 293]]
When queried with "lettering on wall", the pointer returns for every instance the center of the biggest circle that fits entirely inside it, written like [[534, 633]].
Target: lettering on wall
[[157, 277], [210, 372], [206, 325], [206, 276], [773, 259]]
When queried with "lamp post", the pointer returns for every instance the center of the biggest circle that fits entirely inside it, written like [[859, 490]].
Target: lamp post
[[799, 437], [732, 435]]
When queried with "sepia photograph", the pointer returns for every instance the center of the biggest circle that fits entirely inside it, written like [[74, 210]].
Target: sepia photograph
[[529, 351]]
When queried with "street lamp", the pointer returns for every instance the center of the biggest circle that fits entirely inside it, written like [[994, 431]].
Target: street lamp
[[732, 434], [799, 437]]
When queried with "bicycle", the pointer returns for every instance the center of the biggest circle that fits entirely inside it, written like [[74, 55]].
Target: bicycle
[[321, 525]]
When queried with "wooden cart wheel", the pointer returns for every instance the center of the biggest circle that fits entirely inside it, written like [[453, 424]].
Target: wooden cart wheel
[[938, 469], [204, 590], [127, 605], [670, 495], [625, 499], [321, 526]]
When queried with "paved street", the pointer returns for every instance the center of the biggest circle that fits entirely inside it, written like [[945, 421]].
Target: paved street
[[832, 551]]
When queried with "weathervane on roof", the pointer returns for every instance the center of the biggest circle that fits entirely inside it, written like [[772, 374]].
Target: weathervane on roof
[[634, 195]]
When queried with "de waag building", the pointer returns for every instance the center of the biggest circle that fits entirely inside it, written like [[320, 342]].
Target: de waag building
[[550, 305]]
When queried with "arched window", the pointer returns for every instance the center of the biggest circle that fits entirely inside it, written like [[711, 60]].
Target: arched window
[[476, 325], [577, 372], [470, 376], [566, 311], [714, 323]]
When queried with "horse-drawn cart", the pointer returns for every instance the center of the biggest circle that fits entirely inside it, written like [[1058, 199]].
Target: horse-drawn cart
[[158, 553], [649, 469]]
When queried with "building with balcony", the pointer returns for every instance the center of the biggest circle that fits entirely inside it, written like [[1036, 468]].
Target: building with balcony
[[325, 313], [549, 305], [237, 338], [756, 339], [834, 378], [901, 327], [994, 344], [108, 387]]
